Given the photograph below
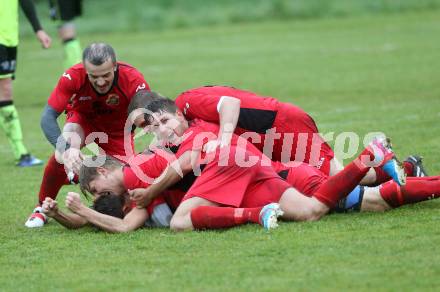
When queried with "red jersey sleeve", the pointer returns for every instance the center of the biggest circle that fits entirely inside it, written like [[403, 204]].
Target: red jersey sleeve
[[135, 83], [66, 89], [143, 170], [195, 105]]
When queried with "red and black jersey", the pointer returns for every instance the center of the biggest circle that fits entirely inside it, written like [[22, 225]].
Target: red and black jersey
[[257, 113], [74, 92], [151, 167]]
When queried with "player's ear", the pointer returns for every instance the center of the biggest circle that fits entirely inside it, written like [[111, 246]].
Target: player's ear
[[101, 170]]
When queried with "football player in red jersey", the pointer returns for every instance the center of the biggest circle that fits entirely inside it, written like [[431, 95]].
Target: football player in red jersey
[[115, 178], [95, 95], [323, 193], [283, 131]]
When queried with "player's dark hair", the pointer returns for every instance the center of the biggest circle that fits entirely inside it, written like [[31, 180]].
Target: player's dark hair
[[141, 99], [159, 105], [89, 170], [98, 53], [110, 204]]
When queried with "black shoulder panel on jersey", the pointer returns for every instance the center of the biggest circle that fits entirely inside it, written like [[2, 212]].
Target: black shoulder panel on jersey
[[283, 174], [256, 120], [187, 181]]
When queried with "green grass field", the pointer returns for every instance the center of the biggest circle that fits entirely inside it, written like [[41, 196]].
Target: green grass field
[[355, 74]]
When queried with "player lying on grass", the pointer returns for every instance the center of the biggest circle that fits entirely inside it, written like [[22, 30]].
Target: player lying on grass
[[273, 123], [231, 191], [95, 96], [145, 98], [110, 212], [170, 125], [113, 176]]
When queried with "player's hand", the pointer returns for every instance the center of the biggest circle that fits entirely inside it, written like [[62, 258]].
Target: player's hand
[[50, 207], [73, 202], [211, 146], [44, 39], [72, 159], [140, 197]]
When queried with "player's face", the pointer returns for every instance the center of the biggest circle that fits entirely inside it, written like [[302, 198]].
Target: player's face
[[168, 127], [101, 76], [107, 181]]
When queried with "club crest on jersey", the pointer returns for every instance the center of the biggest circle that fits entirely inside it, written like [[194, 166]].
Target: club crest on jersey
[[112, 99]]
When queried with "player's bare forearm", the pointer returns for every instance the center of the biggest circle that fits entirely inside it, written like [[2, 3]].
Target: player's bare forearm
[[113, 224], [70, 220], [229, 112], [173, 174]]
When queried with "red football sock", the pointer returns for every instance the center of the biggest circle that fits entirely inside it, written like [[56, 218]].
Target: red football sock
[[340, 185], [415, 190], [54, 178], [409, 168], [381, 176], [211, 217]]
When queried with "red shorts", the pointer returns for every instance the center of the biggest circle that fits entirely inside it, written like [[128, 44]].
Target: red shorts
[[306, 146], [114, 145], [305, 178], [236, 186]]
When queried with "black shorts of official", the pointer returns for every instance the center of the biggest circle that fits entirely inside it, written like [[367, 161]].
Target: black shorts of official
[[69, 9], [8, 61]]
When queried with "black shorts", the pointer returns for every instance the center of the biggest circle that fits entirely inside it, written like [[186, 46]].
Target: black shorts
[[8, 61], [69, 9]]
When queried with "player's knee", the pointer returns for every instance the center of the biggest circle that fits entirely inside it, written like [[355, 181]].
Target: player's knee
[[373, 202], [5, 89], [178, 224], [314, 211]]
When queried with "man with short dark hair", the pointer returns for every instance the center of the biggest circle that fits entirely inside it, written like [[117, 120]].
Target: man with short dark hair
[[95, 96], [110, 212]]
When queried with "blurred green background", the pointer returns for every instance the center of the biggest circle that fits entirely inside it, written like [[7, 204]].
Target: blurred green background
[[140, 15]]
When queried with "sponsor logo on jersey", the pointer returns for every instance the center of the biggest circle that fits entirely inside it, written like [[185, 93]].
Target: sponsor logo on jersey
[[83, 98], [112, 99]]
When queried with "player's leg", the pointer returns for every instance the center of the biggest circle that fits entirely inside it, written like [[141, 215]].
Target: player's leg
[[299, 207], [69, 9], [55, 176], [326, 197], [390, 195], [336, 166], [181, 219], [9, 120], [214, 217]]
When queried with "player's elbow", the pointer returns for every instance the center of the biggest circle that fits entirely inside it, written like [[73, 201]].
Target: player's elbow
[[124, 228]]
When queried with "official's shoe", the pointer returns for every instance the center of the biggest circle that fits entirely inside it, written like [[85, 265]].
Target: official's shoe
[[27, 160], [37, 218], [269, 216]]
